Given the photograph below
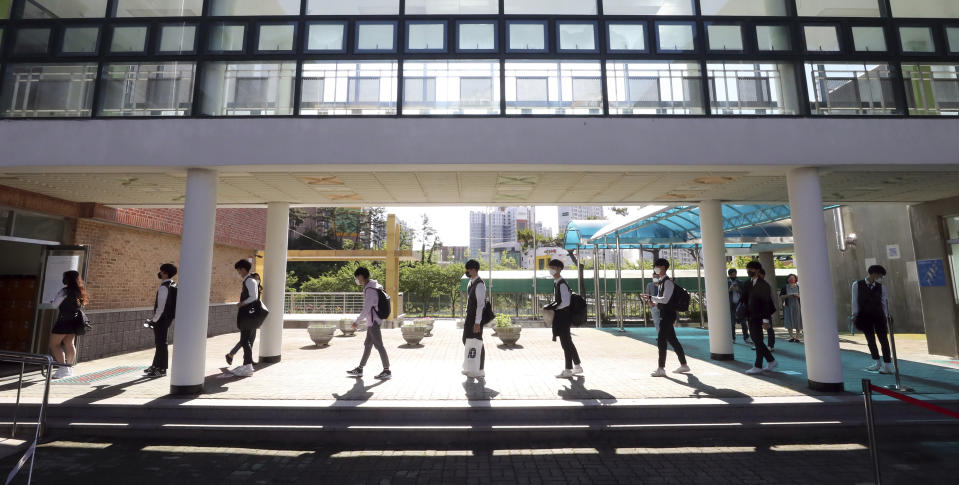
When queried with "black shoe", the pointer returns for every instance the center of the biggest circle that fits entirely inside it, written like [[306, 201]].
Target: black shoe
[[157, 373], [358, 372], [229, 359], [148, 370], [772, 349], [386, 374]]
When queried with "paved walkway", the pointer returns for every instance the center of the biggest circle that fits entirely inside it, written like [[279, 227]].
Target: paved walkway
[[617, 367]]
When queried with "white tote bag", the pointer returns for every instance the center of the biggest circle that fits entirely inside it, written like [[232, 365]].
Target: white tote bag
[[471, 361]]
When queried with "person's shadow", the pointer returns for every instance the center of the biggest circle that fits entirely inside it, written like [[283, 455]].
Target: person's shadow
[[701, 389], [359, 392], [577, 391], [476, 390]]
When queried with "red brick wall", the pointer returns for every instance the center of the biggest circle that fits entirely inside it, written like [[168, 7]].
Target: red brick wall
[[234, 227]]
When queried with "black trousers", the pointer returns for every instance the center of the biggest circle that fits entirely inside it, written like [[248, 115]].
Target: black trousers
[[772, 336], [161, 359], [569, 350], [374, 338], [667, 335], [762, 352], [246, 341], [468, 333], [877, 331], [733, 320]]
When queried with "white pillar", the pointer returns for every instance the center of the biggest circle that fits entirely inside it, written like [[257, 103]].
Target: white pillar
[[768, 261], [823, 363], [274, 280], [717, 291], [193, 296]]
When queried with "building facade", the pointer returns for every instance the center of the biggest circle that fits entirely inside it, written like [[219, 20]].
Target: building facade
[[581, 213]]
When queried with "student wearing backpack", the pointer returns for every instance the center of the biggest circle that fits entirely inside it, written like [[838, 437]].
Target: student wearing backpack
[[164, 310], [759, 310], [475, 304], [665, 301], [371, 313], [562, 321]]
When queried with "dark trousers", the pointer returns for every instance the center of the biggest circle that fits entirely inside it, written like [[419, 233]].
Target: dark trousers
[[161, 359], [667, 335], [468, 333], [740, 321], [569, 350], [772, 336], [762, 352], [374, 338], [246, 342], [872, 332]]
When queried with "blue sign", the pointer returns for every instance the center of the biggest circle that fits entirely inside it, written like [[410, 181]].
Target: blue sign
[[931, 272]]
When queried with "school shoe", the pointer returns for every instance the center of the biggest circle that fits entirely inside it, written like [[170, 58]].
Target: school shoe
[[68, 372], [577, 369], [658, 373], [229, 359], [754, 371], [386, 374], [157, 373], [566, 374], [681, 369], [148, 370], [358, 372], [243, 371], [874, 367], [60, 373], [886, 369], [771, 365]]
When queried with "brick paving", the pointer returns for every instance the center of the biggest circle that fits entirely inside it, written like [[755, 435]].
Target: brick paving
[[617, 367]]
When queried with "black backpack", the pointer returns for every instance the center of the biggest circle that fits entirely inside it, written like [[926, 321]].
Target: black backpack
[[577, 308], [383, 306], [680, 299], [171, 295]]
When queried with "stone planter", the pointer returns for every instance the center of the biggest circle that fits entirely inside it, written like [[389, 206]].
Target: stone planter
[[427, 323], [509, 335], [413, 334], [346, 326], [321, 334]]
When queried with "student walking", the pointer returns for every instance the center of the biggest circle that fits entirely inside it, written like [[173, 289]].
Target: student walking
[[475, 303], [870, 312], [70, 301], [792, 316], [164, 311], [239, 344], [736, 314], [759, 311], [248, 295], [668, 315], [563, 319], [771, 329], [374, 336]]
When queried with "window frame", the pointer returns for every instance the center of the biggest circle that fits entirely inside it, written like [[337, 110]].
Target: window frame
[[646, 37], [306, 37], [546, 36], [743, 39], [255, 45], [697, 44], [227, 23], [496, 34], [356, 36], [559, 39], [839, 39], [158, 40], [406, 37]]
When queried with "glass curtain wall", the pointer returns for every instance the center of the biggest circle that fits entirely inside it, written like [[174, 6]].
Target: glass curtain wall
[[147, 89], [248, 88], [48, 90], [553, 87], [654, 88], [451, 87], [349, 88], [752, 88], [850, 89], [932, 89]]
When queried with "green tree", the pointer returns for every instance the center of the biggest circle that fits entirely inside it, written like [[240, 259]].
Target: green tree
[[620, 211], [448, 284]]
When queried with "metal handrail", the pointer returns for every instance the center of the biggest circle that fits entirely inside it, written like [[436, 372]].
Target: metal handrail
[[25, 359]]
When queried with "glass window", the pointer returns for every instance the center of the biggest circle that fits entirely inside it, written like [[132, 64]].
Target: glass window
[[349, 88], [850, 89], [63, 9], [551, 7], [917, 39], [227, 38], [751, 88], [254, 7], [775, 8], [932, 89], [32, 42], [553, 88], [353, 7], [834, 8], [476, 36], [80, 40], [654, 88], [869, 39], [44, 90], [426, 36], [451, 87], [821, 38], [147, 89], [925, 8], [129, 39], [159, 8], [526, 36], [177, 38], [326, 37], [627, 37], [773, 38], [248, 88], [276, 38], [952, 35], [376, 36], [451, 7], [725, 37], [35, 226], [648, 7], [676, 37], [577, 36]]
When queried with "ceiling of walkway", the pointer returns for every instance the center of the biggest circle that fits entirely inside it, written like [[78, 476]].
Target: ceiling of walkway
[[453, 185]]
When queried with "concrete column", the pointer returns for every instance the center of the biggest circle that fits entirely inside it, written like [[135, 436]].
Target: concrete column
[[274, 280], [714, 262], [823, 362], [768, 261], [193, 297]]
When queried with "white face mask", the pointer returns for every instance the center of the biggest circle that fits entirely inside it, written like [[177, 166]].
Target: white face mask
[[553, 272], [357, 280], [656, 279]]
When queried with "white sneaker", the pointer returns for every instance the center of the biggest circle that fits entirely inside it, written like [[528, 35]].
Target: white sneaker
[[466, 372], [754, 371], [578, 369], [771, 365], [481, 374], [886, 369], [60, 373], [243, 370], [874, 367], [658, 373], [566, 374], [681, 369]]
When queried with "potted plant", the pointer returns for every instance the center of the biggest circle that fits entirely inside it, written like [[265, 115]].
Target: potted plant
[[426, 322], [505, 330], [346, 326], [413, 333], [321, 333]]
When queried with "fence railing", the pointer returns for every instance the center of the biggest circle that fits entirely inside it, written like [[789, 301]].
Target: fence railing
[[44, 362], [329, 303]]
